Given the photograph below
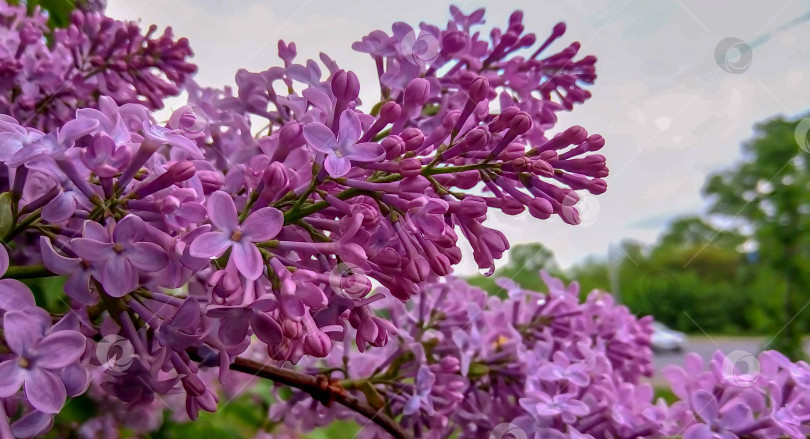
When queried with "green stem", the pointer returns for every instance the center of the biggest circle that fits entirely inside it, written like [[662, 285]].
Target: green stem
[[28, 272], [19, 228]]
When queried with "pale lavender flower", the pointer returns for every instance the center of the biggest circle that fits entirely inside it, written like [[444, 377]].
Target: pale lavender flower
[[118, 257], [38, 356], [340, 151]]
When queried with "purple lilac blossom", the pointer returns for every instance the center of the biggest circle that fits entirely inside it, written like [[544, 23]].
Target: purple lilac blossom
[[322, 231]]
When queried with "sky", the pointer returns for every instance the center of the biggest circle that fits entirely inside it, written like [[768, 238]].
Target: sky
[[678, 90]]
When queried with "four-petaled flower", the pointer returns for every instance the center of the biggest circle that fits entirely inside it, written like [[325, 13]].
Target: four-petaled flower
[[38, 358], [116, 259], [565, 405], [342, 150], [261, 225]]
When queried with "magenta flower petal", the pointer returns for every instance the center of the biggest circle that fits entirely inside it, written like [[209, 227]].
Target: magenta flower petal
[[263, 224], [59, 349], [11, 378], [248, 259], [77, 287], [54, 261], [45, 390], [147, 256], [14, 295], [337, 166], [92, 250], [222, 211], [119, 277], [60, 208], [95, 231], [320, 138], [698, 431], [350, 129], [705, 405], [266, 329], [366, 152], [210, 245], [23, 329], [233, 330], [129, 229], [31, 424], [75, 378], [77, 128]]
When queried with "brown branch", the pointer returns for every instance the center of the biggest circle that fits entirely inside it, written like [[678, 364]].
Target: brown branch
[[321, 390]]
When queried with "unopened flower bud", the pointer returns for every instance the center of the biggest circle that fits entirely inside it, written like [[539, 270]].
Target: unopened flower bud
[[410, 168], [390, 111], [394, 146], [345, 85], [413, 138], [417, 92]]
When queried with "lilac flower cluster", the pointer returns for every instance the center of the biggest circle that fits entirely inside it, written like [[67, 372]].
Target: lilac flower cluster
[[465, 362], [544, 365], [188, 243], [40, 366], [278, 222], [44, 80]]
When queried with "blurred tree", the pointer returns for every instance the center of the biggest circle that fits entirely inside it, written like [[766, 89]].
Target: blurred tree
[[767, 197]]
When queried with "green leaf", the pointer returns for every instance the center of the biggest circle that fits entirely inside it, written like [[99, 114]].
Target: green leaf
[[58, 10]]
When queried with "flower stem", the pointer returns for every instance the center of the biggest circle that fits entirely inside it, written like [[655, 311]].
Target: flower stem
[[321, 390]]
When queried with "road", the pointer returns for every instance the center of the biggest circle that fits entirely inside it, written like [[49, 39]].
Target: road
[[705, 347]]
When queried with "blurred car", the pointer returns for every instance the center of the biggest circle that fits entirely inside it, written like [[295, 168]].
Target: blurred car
[[665, 339]]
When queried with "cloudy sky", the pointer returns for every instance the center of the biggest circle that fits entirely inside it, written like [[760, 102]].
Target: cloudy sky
[[669, 112]]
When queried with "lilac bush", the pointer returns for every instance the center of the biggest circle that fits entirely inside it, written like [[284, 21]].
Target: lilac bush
[[281, 230]]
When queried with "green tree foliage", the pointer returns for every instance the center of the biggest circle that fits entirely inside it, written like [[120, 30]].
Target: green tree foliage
[[696, 279], [767, 197]]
